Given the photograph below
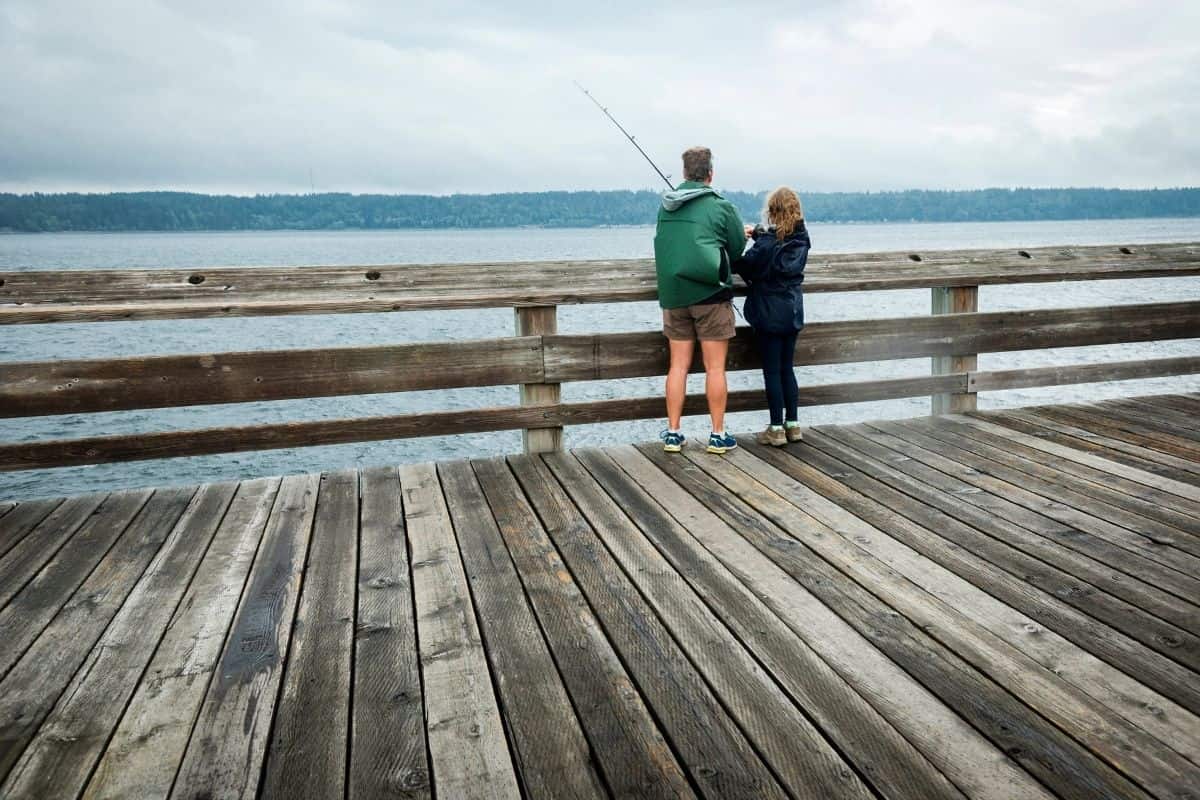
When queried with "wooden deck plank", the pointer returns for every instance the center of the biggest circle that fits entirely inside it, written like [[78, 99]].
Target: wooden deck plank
[[309, 737], [633, 754], [41, 540], [35, 681], [551, 753], [1145, 520], [885, 569], [1186, 404], [1119, 600], [802, 759], [1135, 482], [61, 755], [1046, 500], [1120, 549], [1098, 419], [717, 755], [733, 535], [1159, 418], [1032, 620], [467, 744], [145, 751], [888, 762], [1159, 516], [1057, 760], [1073, 436], [14, 528], [224, 756], [388, 753]]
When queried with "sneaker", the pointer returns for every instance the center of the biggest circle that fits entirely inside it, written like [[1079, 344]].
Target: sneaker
[[774, 436], [793, 433], [672, 442], [721, 444]]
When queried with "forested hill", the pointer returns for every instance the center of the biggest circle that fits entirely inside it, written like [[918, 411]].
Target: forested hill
[[180, 211]]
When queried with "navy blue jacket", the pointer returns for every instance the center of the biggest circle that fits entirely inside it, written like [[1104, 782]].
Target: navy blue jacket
[[774, 271]]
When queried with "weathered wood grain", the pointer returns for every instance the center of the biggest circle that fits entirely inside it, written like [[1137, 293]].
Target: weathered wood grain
[[886, 761], [35, 681], [69, 387], [44, 296], [797, 752], [551, 753], [37, 535], [734, 534], [997, 380], [954, 300], [1075, 579], [388, 756], [858, 550], [41, 585], [1017, 611], [467, 746], [633, 754], [309, 737], [224, 756], [171, 444], [815, 558], [539, 321], [717, 755], [145, 751], [61, 755], [16, 523]]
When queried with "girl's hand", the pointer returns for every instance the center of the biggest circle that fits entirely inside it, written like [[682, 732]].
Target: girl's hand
[[749, 231]]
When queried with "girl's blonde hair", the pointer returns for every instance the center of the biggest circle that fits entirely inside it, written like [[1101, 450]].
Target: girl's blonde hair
[[783, 210]]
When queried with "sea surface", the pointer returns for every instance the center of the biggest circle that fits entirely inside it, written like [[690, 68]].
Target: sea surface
[[144, 250]]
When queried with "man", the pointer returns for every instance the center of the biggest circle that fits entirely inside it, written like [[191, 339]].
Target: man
[[698, 237]]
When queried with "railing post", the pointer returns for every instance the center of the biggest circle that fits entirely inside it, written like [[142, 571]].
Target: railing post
[[954, 300], [539, 321]]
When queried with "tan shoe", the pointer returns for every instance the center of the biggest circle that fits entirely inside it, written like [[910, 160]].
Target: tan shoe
[[793, 434], [775, 438]]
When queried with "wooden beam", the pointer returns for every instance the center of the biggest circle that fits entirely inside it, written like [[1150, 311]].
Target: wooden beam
[[170, 444], [954, 300], [998, 380], [30, 297], [539, 321], [68, 387]]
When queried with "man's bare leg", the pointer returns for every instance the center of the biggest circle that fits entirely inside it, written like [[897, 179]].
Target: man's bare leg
[[681, 361], [716, 389]]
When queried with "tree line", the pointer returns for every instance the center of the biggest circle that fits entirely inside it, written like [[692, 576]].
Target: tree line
[[184, 211]]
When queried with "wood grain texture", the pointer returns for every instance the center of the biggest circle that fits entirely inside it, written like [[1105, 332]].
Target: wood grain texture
[[70, 387], [388, 756], [633, 754], [16, 523], [998, 380], [954, 300], [36, 535], [33, 684], [224, 756], [539, 321], [97, 295], [60, 758], [467, 745], [1032, 620], [552, 754], [310, 733], [170, 444], [148, 745]]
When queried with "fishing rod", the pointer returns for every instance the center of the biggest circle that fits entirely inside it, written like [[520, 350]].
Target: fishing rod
[[632, 140]]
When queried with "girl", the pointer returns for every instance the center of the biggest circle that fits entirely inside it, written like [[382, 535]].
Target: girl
[[773, 268]]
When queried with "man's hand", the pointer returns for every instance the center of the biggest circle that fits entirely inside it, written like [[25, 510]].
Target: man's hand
[[749, 231]]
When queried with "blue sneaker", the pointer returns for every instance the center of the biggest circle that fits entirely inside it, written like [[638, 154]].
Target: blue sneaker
[[721, 444], [672, 442]]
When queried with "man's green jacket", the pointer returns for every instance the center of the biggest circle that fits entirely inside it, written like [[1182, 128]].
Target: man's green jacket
[[699, 236]]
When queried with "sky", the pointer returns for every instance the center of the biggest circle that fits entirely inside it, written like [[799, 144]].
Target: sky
[[249, 97]]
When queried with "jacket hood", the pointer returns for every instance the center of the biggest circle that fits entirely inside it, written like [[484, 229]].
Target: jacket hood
[[676, 198]]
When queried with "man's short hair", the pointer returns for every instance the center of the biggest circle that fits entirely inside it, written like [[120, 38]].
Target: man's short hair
[[697, 163]]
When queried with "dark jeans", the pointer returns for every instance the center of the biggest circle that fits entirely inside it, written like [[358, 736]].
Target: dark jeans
[[778, 351]]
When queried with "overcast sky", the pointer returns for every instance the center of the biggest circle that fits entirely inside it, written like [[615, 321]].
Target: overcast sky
[[391, 96]]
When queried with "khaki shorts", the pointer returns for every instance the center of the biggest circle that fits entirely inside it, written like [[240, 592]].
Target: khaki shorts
[[703, 322]]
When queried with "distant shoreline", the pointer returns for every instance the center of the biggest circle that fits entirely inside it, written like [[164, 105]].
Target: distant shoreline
[[176, 212]]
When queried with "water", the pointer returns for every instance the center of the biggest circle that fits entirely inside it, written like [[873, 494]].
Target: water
[[118, 339]]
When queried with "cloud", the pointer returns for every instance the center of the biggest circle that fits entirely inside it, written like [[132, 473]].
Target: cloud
[[462, 96]]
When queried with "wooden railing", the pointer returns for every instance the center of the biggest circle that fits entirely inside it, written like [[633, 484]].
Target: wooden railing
[[538, 359]]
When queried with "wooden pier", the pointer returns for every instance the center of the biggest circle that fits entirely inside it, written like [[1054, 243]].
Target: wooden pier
[[989, 605], [1000, 605]]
